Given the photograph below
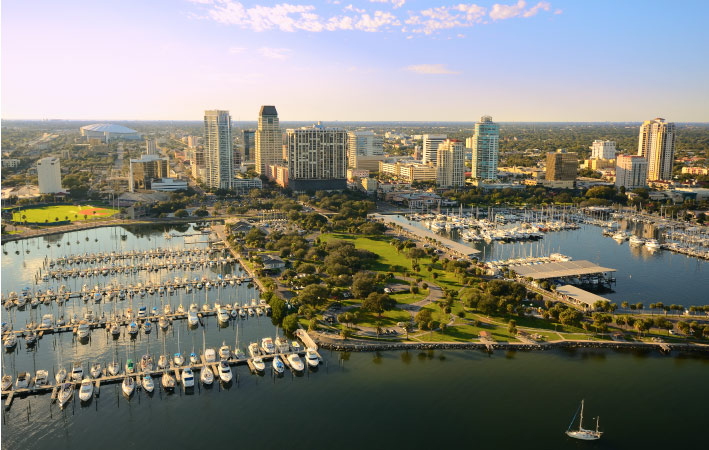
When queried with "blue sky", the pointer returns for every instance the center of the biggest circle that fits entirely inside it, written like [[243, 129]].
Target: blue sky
[[366, 60]]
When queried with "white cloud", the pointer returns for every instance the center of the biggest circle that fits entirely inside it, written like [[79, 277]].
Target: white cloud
[[395, 3], [558, 11], [501, 12], [378, 20], [236, 50], [431, 69], [274, 53]]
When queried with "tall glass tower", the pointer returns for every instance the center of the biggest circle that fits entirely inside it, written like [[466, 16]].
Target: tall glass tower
[[486, 142]]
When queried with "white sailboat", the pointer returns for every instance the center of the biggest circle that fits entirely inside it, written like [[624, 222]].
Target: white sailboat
[[582, 433], [66, 393]]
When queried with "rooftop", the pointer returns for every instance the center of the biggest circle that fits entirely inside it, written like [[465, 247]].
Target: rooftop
[[580, 295], [268, 110], [108, 128], [560, 269]]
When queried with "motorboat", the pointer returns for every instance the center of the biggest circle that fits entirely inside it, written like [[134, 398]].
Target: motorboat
[[311, 357], [83, 330], [77, 373], [282, 345], [146, 363], [210, 355], [86, 391], [60, 376], [636, 240], [222, 316], [582, 433], [225, 374], [66, 393], [168, 381], [254, 350], [95, 370], [192, 318], [295, 362], [47, 321], [30, 338], [115, 328], [224, 352], [133, 328], [130, 366], [148, 383], [267, 345], [652, 244], [187, 377], [23, 380], [295, 345], [10, 341], [278, 365], [128, 386], [41, 378]]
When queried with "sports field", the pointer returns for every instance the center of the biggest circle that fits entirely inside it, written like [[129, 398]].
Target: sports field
[[58, 213]]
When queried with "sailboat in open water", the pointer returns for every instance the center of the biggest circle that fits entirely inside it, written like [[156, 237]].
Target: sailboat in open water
[[582, 433]]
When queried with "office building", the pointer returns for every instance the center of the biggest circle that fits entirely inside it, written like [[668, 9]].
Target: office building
[[631, 172], [218, 150], [408, 171], [561, 169], [151, 147], [249, 142], [49, 175], [603, 149], [317, 158], [450, 164], [146, 169], [656, 143], [365, 150], [430, 147], [269, 141], [168, 185], [485, 145]]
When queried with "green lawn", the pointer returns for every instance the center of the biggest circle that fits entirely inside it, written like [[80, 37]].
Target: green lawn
[[388, 319], [467, 333], [58, 213], [408, 297]]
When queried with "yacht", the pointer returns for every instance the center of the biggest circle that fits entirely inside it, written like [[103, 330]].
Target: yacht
[[206, 376], [168, 381], [187, 378], [311, 357], [620, 236], [278, 365], [210, 355], [192, 318], [254, 350], [60, 376], [295, 362], [86, 390], [95, 370], [148, 383], [222, 316], [41, 378], [77, 373], [652, 244], [128, 386], [23, 380], [224, 372], [66, 393], [267, 345], [582, 433], [258, 363], [224, 352], [635, 240]]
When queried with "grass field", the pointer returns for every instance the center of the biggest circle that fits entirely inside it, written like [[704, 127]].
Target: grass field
[[58, 213]]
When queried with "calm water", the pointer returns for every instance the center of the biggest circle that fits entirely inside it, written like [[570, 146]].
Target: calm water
[[393, 399]]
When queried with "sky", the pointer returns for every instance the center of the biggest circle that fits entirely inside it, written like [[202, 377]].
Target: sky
[[367, 60]]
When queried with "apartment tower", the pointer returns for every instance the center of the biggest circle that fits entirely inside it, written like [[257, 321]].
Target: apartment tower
[[486, 149], [450, 164], [269, 140], [656, 144], [218, 150]]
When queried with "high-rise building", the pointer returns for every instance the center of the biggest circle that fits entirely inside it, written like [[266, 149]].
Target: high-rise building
[[249, 141], [317, 158], [603, 149], [450, 164], [430, 146], [631, 171], [485, 146], [49, 175], [192, 141], [151, 147], [197, 163], [561, 166], [146, 169], [269, 142], [656, 143], [365, 150], [218, 150]]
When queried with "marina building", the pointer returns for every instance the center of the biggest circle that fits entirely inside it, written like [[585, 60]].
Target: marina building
[[365, 150], [631, 172], [485, 149], [49, 175], [317, 158], [218, 150], [450, 164], [603, 149], [656, 143], [430, 147], [146, 169], [268, 139]]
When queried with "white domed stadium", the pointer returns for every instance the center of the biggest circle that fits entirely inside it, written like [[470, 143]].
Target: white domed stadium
[[109, 132]]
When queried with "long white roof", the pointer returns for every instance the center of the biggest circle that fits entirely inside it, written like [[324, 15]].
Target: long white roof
[[108, 128]]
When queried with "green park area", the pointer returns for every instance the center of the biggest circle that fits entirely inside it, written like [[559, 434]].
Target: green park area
[[59, 213]]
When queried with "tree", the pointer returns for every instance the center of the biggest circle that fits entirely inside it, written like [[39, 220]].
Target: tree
[[422, 318], [290, 323], [278, 310], [378, 303], [181, 213], [314, 294], [363, 283], [512, 326]]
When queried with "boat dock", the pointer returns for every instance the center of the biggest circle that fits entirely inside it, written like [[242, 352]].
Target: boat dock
[[581, 271]]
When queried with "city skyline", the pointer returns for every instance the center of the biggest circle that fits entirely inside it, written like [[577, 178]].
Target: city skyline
[[387, 61]]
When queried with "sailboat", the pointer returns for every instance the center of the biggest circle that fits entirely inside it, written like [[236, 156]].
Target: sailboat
[[582, 433], [178, 359]]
